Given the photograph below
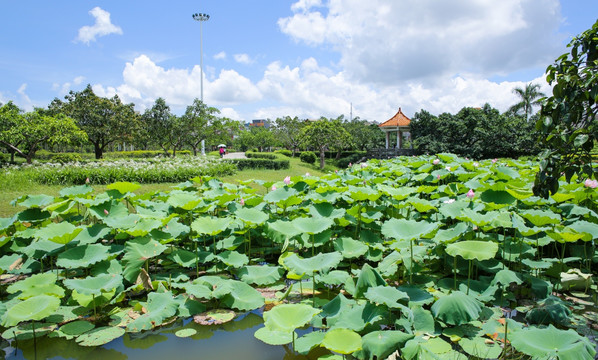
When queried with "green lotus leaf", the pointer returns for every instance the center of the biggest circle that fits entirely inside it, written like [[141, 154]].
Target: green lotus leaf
[[380, 344], [33, 309], [184, 258], [280, 194], [260, 274], [94, 285], [540, 217], [110, 211], [402, 229], [390, 264], [566, 234], [542, 264], [92, 234], [519, 224], [505, 277], [457, 308], [473, 249], [286, 228], [349, 248], [552, 343], [506, 173], [123, 187], [76, 191], [478, 348], [5, 223], [326, 210], [137, 251], [367, 278], [423, 321], [312, 225], [476, 217], [417, 295], [334, 277], [363, 193], [210, 225], [83, 256], [273, 337], [214, 317], [551, 310], [421, 205], [100, 336], [60, 233], [74, 329], [453, 209], [305, 343], [343, 341], [35, 201], [33, 215], [159, 306], [397, 193], [288, 317], [238, 295], [24, 331], [199, 291], [184, 200], [581, 226], [251, 216], [497, 197], [387, 295], [233, 259], [144, 226], [449, 235], [39, 284], [184, 333], [321, 263]]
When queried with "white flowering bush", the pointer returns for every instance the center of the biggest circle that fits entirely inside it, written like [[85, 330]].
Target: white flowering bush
[[154, 170]]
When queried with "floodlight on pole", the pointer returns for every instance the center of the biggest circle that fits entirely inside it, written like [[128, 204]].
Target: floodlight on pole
[[201, 18]]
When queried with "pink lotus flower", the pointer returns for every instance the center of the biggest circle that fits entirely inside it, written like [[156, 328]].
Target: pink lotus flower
[[242, 202], [306, 174], [494, 160], [287, 180], [87, 180], [437, 177], [106, 212], [436, 162], [592, 184], [273, 187], [350, 164], [476, 164], [363, 165], [470, 194], [448, 168]]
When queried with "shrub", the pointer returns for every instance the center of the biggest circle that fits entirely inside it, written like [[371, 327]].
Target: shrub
[[63, 158], [260, 164], [344, 162], [137, 154], [308, 157], [287, 153], [258, 155]]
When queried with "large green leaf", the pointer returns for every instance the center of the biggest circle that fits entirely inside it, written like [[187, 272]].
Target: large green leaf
[[233, 258], [387, 295], [76, 191], [380, 344], [280, 194], [457, 308], [238, 295], [94, 285], [251, 216], [92, 234], [100, 336], [260, 274], [288, 317], [367, 278], [552, 343], [350, 248], [540, 217], [210, 225], [273, 337], [343, 341], [35, 201], [312, 225], [39, 284], [321, 263], [123, 187], [83, 256], [33, 309], [402, 229], [473, 249], [137, 251], [60, 233], [159, 306]]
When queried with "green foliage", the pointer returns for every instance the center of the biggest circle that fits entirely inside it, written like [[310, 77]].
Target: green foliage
[[530, 97], [243, 164], [64, 158], [254, 155], [288, 132], [325, 134], [287, 153], [308, 157], [567, 120], [475, 133]]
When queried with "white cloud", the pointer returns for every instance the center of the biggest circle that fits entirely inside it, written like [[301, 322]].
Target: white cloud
[[230, 113], [243, 59], [66, 87], [102, 27], [24, 102], [387, 42], [220, 56]]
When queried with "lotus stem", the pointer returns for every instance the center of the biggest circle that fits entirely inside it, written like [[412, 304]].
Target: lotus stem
[[358, 228], [455, 273], [411, 263], [249, 248], [469, 276], [196, 261], [313, 290]]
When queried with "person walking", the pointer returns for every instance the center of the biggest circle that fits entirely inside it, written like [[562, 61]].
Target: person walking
[[221, 152]]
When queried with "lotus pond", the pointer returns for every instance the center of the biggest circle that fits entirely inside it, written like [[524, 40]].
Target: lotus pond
[[412, 258]]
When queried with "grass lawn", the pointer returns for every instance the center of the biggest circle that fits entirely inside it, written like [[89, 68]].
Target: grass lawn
[[24, 186]]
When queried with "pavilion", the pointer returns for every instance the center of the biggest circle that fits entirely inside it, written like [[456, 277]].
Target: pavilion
[[399, 124]]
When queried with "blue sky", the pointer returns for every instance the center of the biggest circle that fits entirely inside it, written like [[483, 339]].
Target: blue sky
[[271, 58]]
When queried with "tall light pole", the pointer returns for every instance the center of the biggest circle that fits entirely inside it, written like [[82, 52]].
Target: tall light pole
[[201, 18]]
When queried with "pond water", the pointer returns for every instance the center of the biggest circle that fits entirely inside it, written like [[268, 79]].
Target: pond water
[[232, 340]]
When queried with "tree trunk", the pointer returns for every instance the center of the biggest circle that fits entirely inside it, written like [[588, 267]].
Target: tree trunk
[[338, 154], [97, 150], [322, 158]]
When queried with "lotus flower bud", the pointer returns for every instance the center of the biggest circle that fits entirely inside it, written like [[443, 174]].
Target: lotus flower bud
[[470, 194]]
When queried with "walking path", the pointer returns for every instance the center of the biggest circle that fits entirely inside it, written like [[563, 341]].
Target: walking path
[[235, 155]]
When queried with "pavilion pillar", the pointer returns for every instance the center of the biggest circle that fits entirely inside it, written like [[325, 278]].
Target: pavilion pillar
[[387, 139], [400, 139]]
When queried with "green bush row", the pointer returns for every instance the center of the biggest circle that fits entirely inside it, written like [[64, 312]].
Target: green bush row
[[258, 155], [285, 152], [308, 157], [268, 164], [136, 154]]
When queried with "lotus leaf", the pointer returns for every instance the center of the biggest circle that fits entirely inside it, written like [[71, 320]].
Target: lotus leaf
[[214, 317], [305, 343], [358, 317], [280, 194], [240, 296], [92, 234], [312, 225], [334, 277], [183, 333], [35, 201], [184, 258], [137, 251], [477, 347], [199, 291], [94, 285], [33, 309], [473, 249], [100, 336], [457, 308], [551, 343], [159, 306], [274, 337], [449, 235], [285, 228], [590, 230], [402, 229], [74, 329], [326, 210], [423, 321], [260, 275], [343, 341], [350, 248], [251, 216], [497, 197], [417, 295], [551, 310], [367, 278], [387, 295], [144, 225], [33, 215], [540, 217], [83, 256], [380, 344], [233, 258], [321, 263], [76, 191], [60, 233], [39, 284], [288, 317], [505, 277], [184, 200], [210, 226]]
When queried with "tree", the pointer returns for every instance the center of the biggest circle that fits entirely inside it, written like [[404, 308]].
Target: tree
[[568, 118], [9, 119], [365, 136], [530, 97], [199, 119], [288, 131], [103, 120], [324, 134], [27, 132]]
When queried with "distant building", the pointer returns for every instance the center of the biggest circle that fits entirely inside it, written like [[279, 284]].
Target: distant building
[[258, 123]]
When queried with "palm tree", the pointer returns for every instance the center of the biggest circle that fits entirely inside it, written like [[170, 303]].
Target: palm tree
[[529, 96]]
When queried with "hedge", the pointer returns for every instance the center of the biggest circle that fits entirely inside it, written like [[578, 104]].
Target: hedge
[[254, 163], [258, 155]]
